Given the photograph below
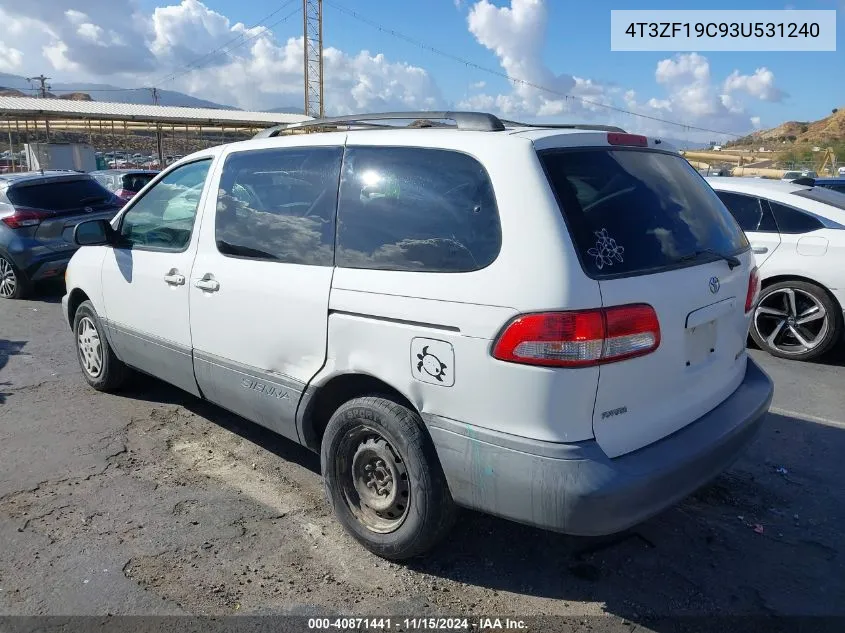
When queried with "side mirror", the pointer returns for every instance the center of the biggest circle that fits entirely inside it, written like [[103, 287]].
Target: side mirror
[[93, 233]]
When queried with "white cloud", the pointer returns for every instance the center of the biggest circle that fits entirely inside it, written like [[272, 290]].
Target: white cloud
[[56, 53], [478, 85], [760, 85], [91, 32], [11, 59], [756, 122]]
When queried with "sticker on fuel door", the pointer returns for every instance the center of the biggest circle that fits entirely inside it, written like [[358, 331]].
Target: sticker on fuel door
[[433, 361]]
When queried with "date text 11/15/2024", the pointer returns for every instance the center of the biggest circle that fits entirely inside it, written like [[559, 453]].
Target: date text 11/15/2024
[[416, 624]]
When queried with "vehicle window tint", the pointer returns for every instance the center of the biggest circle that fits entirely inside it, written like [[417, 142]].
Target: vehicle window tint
[[792, 220], [136, 182], [635, 211], [416, 209], [837, 188], [279, 205], [163, 217], [59, 195], [748, 212], [821, 194]]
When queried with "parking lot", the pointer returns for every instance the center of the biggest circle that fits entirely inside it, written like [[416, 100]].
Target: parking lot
[[153, 502]]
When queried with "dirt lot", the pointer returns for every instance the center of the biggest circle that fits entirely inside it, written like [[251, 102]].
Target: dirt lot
[[153, 502]]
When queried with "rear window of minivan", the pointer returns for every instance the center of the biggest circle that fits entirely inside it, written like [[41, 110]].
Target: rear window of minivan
[[637, 211]]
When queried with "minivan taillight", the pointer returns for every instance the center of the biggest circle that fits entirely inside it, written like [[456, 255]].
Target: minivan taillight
[[753, 290], [579, 338], [25, 217]]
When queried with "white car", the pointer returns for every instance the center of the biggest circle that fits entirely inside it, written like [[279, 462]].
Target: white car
[[797, 236], [546, 324]]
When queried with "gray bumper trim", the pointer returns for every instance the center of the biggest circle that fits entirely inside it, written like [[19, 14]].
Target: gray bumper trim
[[576, 488]]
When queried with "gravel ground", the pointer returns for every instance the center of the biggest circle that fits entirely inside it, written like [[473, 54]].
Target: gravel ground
[[154, 502]]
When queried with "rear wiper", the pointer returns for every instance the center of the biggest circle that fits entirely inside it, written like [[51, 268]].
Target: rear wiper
[[93, 199], [733, 262]]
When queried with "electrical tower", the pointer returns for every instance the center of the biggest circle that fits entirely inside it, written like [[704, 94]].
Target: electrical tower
[[43, 87], [312, 17]]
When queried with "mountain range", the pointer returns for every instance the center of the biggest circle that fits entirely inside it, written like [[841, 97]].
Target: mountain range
[[108, 92]]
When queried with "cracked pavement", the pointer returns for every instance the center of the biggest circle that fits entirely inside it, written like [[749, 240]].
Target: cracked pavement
[[153, 502]]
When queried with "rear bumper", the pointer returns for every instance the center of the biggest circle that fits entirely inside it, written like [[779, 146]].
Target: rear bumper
[[576, 488]]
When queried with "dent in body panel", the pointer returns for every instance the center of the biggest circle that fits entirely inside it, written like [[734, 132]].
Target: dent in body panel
[[263, 397]]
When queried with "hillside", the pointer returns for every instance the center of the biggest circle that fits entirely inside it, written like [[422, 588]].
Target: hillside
[[826, 131], [73, 96]]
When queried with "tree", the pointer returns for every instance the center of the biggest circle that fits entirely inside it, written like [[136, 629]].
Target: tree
[[834, 111]]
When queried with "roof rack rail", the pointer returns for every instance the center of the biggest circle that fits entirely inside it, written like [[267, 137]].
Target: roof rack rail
[[566, 126], [477, 121]]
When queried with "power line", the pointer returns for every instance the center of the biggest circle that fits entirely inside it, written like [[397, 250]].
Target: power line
[[524, 82], [43, 87]]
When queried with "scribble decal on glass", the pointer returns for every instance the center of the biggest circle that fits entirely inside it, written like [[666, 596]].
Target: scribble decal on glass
[[606, 250]]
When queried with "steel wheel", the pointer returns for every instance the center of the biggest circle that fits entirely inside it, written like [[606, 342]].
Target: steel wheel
[[90, 350], [8, 279], [791, 321], [374, 480]]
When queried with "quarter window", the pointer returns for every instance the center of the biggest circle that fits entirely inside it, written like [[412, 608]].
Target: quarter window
[[416, 209], [793, 221], [163, 218], [279, 205]]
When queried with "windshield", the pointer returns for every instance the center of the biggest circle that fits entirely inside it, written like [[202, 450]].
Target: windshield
[[631, 212]]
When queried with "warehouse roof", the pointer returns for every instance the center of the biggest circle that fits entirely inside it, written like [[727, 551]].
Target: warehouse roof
[[32, 108]]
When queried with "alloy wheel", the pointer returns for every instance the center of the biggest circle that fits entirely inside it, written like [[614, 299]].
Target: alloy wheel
[[8, 279], [791, 321]]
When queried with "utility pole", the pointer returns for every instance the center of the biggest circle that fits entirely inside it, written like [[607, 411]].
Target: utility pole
[[155, 94], [312, 12], [43, 88]]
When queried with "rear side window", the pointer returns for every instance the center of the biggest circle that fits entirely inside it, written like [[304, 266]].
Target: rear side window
[[415, 209], [793, 221], [837, 188], [749, 213], [632, 212], [279, 205], [136, 182], [60, 195]]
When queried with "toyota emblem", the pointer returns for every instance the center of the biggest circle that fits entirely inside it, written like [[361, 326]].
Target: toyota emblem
[[714, 285]]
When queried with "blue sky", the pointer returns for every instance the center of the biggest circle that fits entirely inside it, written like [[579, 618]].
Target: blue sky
[[561, 44]]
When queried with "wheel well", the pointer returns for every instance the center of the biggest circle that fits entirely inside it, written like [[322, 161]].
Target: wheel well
[[779, 278], [76, 298], [333, 394]]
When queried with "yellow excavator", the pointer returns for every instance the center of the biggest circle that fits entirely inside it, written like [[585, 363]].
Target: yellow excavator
[[828, 158]]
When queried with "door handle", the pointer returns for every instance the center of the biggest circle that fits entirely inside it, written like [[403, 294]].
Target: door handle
[[174, 278], [759, 250], [207, 284]]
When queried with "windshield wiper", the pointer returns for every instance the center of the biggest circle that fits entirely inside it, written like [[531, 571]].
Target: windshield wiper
[[733, 262]]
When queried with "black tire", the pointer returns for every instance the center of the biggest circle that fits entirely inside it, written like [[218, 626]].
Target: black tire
[[22, 285], [113, 372], [786, 345], [429, 511]]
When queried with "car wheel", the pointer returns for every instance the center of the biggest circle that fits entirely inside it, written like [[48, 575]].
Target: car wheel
[[797, 320], [13, 284], [383, 479], [100, 367]]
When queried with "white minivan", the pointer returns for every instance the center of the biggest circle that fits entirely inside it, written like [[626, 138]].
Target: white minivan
[[547, 324]]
